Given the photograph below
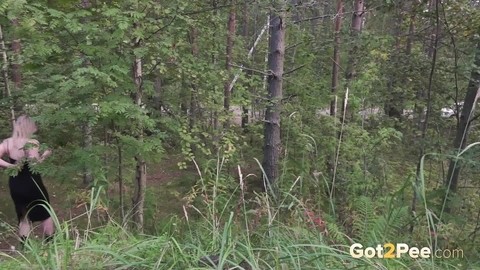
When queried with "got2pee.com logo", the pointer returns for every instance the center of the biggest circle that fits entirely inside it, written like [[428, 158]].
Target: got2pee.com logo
[[391, 251]]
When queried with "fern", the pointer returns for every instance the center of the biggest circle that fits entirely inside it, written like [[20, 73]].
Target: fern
[[365, 220], [390, 224], [335, 233], [371, 228], [11, 5]]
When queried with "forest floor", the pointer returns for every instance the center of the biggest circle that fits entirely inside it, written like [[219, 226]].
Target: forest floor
[[167, 184]]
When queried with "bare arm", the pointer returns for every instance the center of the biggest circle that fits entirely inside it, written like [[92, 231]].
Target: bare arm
[[33, 151], [45, 154], [3, 151]]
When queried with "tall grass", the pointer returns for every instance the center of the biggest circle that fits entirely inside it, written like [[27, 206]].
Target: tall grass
[[212, 234]]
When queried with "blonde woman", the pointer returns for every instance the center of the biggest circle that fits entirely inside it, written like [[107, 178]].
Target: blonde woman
[[26, 188]]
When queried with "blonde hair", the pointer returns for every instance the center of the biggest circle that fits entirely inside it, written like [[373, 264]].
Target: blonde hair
[[24, 127]]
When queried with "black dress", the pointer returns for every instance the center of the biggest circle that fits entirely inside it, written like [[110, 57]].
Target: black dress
[[29, 194]]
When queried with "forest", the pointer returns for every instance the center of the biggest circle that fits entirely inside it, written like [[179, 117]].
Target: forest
[[246, 134]]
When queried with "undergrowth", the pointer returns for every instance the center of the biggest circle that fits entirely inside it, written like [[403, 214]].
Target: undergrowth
[[229, 227]]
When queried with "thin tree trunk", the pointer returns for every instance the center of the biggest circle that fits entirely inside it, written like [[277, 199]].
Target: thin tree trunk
[[428, 48], [193, 91], [265, 77], [461, 137], [157, 98], [394, 103], [356, 28], [214, 62], [272, 148], [140, 188], [248, 73], [411, 32], [330, 163], [228, 61], [87, 145], [431, 39], [254, 110], [87, 127], [456, 69], [184, 96], [245, 112], [120, 180], [418, 109], [16, 66], [141, 167], [5, 74], [249, 56], [336, 56], [428, 113]]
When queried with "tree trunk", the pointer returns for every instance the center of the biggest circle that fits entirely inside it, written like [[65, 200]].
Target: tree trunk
[[157, 97], [214, 115], [265, 77], [418, 108], [465, 120], [5, 74], [140, 188], [141, 167], [428, 47], [394, 104], [356, 29], [193, 91], [87, 145], [424, 128], [120, 181], [411, 32], [248, 72], [336, 56], [431, 38], [272, 148], [245, 120], [87, 127], [228, 61], [16, 67]]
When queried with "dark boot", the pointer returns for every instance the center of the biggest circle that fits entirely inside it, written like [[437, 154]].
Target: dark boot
[[47, 238], [23, 241]]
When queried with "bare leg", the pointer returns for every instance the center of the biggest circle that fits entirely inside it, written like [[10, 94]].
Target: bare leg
[[47, 227], [23, 230], [24, 227]]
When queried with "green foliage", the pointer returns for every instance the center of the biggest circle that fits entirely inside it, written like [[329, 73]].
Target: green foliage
[[372, 227], [77, 82], [271, 244]]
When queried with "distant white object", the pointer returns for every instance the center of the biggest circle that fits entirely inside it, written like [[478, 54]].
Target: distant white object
[[96, 107], [237, 114], [408, 113], [451, 111], [323, 112], [446, 112], [368, 112]]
